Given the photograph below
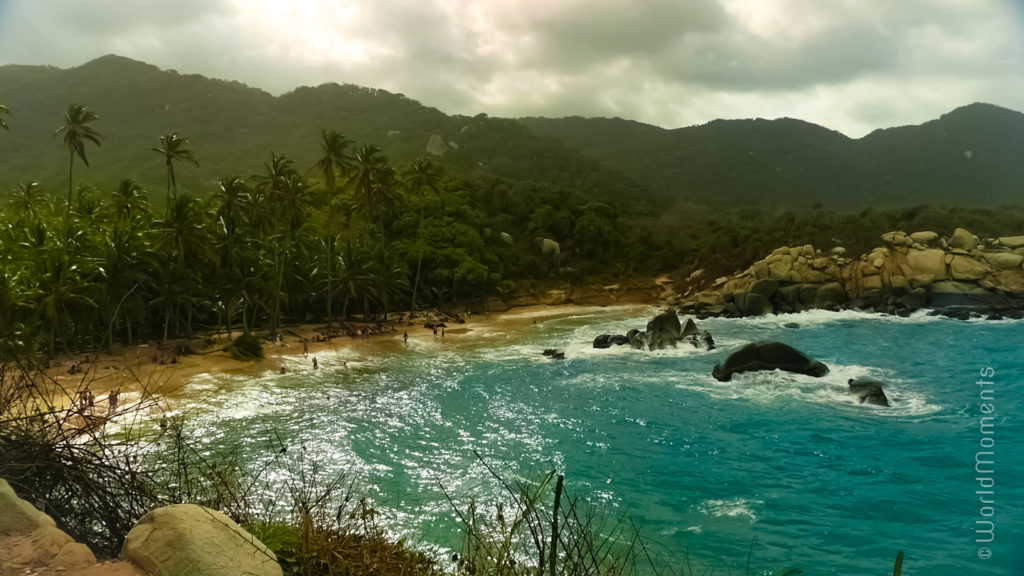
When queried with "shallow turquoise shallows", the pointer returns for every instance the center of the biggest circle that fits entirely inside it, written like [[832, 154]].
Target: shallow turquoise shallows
[[783, 467]]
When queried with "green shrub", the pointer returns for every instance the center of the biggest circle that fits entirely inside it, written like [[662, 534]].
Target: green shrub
[[246, 347]]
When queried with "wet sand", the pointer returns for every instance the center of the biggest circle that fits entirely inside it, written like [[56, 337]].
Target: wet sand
[[143, 381]]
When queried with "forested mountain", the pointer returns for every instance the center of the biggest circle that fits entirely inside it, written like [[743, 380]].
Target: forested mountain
[[968, 157], [233, 128]]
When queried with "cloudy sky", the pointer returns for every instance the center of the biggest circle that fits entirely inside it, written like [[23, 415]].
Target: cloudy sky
[[851, 65]]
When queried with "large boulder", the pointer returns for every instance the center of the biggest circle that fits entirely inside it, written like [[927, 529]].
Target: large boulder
[[829, 295], [915, 299], [609, 340], [931, 262], [967, 268], [924, 237], [18, 516], [767, 356], [750, 304], [963, 239], [966, 296], [190, 539], [637, 338], [1012, 242], [868, 391], [664, 330], [1003, 260], [41, 543], [689, 329], [436, 145], [765, 287]]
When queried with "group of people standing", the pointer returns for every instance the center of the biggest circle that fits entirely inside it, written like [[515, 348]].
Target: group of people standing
[[87, 401]]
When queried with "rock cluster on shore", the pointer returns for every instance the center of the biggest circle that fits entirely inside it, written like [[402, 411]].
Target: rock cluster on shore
[[959, 275]]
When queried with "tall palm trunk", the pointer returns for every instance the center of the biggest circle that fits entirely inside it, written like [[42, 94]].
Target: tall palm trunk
[[71, 166], [419, 261]]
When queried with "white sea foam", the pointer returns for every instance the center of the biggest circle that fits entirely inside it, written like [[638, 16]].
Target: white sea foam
[[729, 507]]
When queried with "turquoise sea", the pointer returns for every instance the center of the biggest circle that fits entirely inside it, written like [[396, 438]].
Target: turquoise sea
[[781, 466]]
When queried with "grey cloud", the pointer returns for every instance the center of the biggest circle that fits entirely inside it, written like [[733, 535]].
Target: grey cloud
[[575, 40], [850, 65]]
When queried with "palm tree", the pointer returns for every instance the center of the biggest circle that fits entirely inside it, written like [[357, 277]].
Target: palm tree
[[421, 174], [374, 178], [77, 132], [173, 149], [335, 161], [3, 121], [285, 198], [129, 203]]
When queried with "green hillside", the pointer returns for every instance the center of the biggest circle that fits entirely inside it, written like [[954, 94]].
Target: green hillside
[[233, 128], [968, 157], [789, 163]]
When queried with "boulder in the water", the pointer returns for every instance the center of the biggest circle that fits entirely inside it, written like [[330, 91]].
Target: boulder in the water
[[637, 339], [868, 391], [609, 340], [554, 354], [663, 330], [768, 356]]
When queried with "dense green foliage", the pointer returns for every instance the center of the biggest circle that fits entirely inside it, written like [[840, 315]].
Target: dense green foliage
[[342, 229], [357, 236]]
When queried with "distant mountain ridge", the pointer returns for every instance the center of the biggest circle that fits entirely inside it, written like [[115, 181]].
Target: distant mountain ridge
[[968, 157]]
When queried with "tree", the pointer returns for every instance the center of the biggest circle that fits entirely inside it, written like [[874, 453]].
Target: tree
[[285, 198], [374, 179], [173, 149], [421, 174], [231, 203], [334, 162], [77, 131]]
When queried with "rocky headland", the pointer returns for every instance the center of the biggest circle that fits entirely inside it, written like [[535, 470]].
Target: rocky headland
[[960, 275]]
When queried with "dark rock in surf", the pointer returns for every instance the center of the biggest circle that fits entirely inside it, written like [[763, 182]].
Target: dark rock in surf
[[768, 356], [868, 391], [664, 330], [609, 340]]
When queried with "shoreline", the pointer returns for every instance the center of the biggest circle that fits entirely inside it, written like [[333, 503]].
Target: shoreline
[[144, 382]]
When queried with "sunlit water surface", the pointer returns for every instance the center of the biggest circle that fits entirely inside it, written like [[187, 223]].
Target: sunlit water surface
[[782, 466]]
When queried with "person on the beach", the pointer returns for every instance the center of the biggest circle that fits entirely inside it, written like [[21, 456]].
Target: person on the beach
[[405, 337], [282, 370], [315, 366], [435, 332], [92, 402], [305, 346], [112, 401], [83, 400]]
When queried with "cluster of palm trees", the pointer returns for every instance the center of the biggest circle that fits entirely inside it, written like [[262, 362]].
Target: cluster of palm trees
[[109, 268]]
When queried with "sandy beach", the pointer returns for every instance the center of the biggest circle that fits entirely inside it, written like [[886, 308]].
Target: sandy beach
[[157, 378]]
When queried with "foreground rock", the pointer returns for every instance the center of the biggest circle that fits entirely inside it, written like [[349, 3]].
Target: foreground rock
[[767, 356], [190, 539], [31, 543], [960, 276], [868, 391]]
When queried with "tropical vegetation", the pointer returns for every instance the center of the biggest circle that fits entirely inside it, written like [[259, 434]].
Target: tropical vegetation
[[353, 235]]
